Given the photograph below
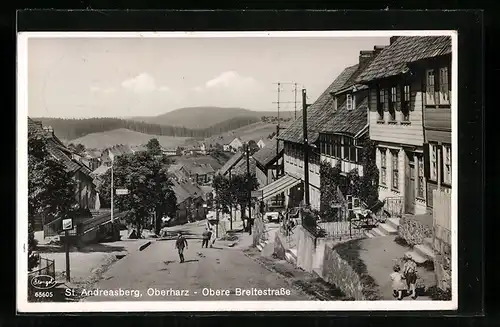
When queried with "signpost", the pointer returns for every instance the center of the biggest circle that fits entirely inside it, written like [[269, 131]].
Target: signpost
[[121, 191], [257, 194], [67, 225]]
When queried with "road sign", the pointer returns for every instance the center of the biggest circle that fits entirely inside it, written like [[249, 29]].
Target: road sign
[[257, 194], [67, 224], [121, 191]]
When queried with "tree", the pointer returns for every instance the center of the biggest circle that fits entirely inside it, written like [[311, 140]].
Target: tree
[[154, 147], [222, 188], [79, 148], [253, 147], [150, 189], [369, 183], [51, 189], [330, 193], [239, 188]]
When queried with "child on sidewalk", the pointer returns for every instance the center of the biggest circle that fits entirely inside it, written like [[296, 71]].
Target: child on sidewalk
[[397, 282]]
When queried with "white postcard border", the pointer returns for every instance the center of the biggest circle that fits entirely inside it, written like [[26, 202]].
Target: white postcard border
[[23, 306]]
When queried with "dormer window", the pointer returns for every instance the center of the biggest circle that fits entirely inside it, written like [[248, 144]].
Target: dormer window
[[335, 103], [350, 102]]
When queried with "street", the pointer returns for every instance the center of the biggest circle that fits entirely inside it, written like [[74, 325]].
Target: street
[[217, 273]]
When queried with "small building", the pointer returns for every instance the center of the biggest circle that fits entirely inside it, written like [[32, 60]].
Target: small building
[[190, 200], [269, 162], [261, 144], [200, 173], [171, 152], [233, 146]]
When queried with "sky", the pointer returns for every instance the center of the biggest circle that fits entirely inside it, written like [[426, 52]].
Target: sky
[[113, 77]]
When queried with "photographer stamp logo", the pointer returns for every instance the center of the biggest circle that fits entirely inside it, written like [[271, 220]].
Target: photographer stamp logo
[[43, 282]]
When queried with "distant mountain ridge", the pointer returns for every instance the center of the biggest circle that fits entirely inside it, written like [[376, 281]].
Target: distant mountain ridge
[[70, 129], [204, 117]]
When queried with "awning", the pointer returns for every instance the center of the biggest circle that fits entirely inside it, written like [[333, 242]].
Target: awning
[[279, 186]]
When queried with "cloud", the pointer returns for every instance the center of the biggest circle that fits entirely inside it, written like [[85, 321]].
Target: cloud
[[143, 83], [230, 79], [96, 89]]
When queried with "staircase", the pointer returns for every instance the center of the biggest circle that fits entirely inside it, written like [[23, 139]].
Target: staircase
[[390, 227], [422, 253]]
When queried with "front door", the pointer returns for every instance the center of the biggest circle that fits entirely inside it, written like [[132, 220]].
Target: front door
[[410, 183]]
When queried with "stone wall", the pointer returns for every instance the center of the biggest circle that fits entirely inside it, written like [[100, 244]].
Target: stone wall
[[442, 268], [279, 246], [306, 249], [337, 271]]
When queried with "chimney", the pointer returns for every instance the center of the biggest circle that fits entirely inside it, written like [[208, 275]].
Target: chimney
[[378, 48], [393, 39], [365, 55]]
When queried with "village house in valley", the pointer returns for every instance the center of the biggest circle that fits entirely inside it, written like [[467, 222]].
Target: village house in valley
[[235, 145], [396, 102], [261, 143], [269, 162]]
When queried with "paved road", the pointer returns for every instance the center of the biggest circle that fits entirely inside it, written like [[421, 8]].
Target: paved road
[[154, 273]]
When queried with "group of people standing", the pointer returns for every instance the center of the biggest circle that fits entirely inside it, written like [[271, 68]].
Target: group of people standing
[[404, 280]]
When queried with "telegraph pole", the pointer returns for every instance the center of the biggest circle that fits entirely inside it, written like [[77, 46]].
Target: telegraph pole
[[112, 191], [295, 102], [306, 148], [278, 102], [249, 225]]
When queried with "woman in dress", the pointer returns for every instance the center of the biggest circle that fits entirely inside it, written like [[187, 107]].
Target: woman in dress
[[410, 274]]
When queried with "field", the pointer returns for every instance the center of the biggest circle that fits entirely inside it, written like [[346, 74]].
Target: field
[[125, 136]]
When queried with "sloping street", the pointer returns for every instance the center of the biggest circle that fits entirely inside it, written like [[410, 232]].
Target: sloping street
[[155, 274]]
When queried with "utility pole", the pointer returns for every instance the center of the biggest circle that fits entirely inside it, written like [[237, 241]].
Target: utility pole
[[249, 225], [230, 207], [295, 102], [112, 191], [66, 238], [306, 148]]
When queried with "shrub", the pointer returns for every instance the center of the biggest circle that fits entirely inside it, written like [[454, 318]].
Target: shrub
[[413, 231]]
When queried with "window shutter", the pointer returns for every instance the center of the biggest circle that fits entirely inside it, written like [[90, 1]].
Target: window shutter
[[440, 163], [427, 162]]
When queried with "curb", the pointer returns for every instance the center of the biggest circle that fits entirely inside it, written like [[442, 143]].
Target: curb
[[145, 245]]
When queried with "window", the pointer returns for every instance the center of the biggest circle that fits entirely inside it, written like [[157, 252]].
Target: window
[[335, 103], [444, 86], [352, 151], [395, 171], [392, 103], [381, 104], [420, 177], [447, 164], [405, 103], [338, 151], [350, 101], [383, 166], [300, 158], [430, 87], [433, 161], [330, 145], [345, 145]]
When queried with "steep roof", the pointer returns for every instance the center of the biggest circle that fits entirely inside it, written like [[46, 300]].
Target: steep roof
[[267, 154], [241, 167], [317, 112], [57, 150], [231, 163], [102, 169], [347, 121], [393, 59]]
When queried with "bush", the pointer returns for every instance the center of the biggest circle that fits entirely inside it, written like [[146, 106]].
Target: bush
[[413, 231]]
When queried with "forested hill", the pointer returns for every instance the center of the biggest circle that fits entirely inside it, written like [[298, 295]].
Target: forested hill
[[69, 129]]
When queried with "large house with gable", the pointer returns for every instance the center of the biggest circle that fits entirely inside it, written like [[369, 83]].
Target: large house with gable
[[406, 82], [85, 192], [292, 182]]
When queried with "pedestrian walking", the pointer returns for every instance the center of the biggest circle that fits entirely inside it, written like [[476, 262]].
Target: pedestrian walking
[[410, 274], [180, 245], [207, 234], [398, 286]]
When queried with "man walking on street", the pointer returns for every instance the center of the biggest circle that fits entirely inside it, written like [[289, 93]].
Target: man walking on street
[[207, 234], [180, 244]]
